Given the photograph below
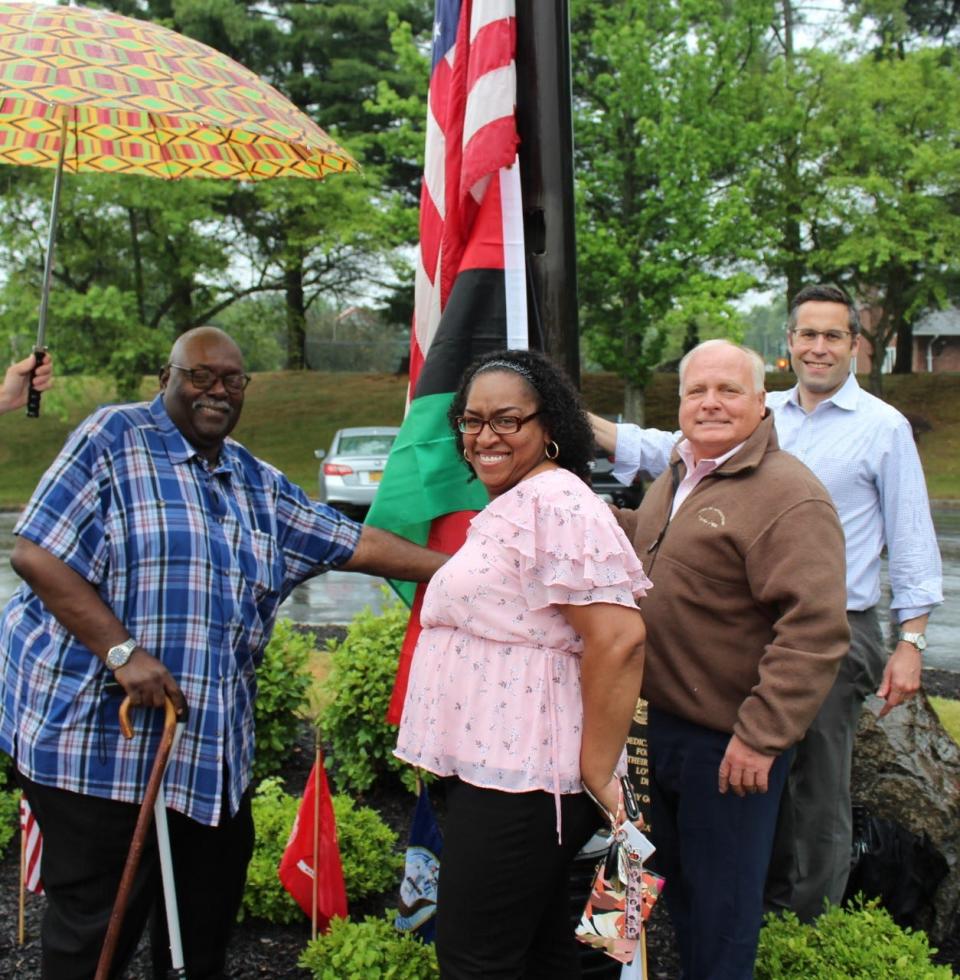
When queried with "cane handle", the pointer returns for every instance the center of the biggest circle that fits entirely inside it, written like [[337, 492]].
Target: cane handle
[[169, 716]]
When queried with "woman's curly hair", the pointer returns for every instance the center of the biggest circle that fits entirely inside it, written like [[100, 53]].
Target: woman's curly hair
[[561, 413]]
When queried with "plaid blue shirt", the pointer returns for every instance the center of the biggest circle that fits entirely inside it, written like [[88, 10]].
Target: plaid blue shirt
[[194, 560]]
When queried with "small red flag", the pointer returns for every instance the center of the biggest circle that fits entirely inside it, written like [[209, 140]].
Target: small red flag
[[312, 861], [32, 844]]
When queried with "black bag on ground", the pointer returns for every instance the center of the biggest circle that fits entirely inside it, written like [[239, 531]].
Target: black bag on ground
[[892, 864]]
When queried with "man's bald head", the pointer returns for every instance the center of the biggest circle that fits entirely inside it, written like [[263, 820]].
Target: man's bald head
[[205, 413]]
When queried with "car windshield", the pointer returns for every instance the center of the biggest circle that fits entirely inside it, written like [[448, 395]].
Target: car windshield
[[369, 445]]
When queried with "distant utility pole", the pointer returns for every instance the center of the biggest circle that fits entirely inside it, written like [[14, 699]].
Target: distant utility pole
[[545, 123]]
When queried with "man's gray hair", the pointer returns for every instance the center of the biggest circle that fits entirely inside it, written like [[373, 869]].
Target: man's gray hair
[[756, 361]]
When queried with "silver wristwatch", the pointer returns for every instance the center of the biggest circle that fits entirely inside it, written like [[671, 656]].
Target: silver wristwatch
[[917, 639], [117, 656]]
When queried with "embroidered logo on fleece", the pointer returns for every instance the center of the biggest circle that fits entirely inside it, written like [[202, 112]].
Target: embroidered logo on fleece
[[712, 516]]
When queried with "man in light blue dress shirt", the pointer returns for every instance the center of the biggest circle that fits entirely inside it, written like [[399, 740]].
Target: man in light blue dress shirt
[[863, 451]]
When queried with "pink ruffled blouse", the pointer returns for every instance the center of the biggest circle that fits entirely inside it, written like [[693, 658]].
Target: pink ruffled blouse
[[494, 691]]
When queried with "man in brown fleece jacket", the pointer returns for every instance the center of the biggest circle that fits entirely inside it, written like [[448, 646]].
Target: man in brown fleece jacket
[[746, 627]]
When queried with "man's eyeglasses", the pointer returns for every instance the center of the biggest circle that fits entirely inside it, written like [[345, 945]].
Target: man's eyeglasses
[[205, 379], [808, 338], [503, 425]]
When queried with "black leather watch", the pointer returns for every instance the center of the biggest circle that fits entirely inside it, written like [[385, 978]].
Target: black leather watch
[[917, 639], [117, 656]]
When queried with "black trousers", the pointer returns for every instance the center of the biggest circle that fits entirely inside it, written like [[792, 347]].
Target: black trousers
[[85, 845], [503, 903]]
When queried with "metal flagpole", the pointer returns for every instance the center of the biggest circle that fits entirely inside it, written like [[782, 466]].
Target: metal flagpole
[[545, 125], [39, 349]]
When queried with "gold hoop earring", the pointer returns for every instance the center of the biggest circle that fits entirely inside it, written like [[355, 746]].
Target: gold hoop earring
[[465, 456], [556, 450]]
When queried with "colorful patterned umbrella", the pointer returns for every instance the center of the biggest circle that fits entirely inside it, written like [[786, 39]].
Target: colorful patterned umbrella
[[138, 98], [94, 91]]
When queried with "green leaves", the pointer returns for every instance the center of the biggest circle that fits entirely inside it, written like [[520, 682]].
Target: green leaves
[[661, 95], [282, 683], [359, 685], [371, 948], [861, 942]]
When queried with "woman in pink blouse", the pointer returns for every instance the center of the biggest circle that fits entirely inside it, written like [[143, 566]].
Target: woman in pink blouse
[[526, 674]]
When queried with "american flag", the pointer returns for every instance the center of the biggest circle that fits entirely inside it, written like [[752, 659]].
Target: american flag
[[31, 848], [470, 283], [471, 137]]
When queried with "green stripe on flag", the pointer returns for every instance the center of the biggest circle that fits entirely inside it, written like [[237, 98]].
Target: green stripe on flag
[[425, 478]]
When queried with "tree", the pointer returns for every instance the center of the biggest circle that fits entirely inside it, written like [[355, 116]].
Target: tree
[[888, 220], [664, 124], [134, 266]]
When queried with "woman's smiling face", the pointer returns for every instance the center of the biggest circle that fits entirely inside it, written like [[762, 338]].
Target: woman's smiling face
[[502, 461]]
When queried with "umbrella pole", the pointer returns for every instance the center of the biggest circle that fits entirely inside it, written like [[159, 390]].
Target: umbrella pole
[[39, 350]]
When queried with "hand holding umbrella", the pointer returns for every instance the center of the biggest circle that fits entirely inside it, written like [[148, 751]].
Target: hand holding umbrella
[[21, 378]]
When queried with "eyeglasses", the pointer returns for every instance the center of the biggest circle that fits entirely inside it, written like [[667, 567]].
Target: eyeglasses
[[808, 338], [503, 425], [204, 379]]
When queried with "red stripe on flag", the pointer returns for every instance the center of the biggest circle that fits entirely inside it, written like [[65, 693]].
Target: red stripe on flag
[[447, 533], [484, 250], [32, 845], [492, 48]]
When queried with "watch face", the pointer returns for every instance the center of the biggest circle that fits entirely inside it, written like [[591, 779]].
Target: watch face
[[117, 656]]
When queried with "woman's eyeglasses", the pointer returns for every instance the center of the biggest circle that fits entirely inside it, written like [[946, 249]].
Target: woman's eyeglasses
[[503, 425]]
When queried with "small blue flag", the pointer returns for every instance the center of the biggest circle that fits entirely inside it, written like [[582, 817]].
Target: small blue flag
[[418, 890]]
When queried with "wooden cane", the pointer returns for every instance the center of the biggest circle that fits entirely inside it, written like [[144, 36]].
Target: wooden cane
[[140, 831]]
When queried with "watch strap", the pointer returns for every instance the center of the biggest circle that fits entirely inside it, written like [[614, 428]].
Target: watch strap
[[917, 639]]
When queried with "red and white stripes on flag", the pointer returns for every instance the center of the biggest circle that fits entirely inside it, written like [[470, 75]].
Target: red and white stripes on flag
[[31, 844], [471, 293], [471, 143]]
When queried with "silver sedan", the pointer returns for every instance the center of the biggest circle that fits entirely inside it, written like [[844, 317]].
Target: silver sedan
[[350, 471]]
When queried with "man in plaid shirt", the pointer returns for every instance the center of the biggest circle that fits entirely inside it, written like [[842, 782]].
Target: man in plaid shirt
[[155, 554]]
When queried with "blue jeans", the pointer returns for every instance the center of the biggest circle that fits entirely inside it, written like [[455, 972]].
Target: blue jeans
[[712, 848]]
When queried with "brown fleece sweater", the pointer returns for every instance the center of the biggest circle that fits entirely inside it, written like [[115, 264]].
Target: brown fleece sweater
[[746, 622]]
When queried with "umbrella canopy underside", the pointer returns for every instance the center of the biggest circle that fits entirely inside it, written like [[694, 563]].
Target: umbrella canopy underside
[[138, 98]]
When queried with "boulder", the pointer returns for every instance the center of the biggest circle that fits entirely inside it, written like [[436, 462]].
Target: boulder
[[907, 768]]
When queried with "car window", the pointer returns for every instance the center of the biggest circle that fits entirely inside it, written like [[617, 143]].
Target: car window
[[370, 445]]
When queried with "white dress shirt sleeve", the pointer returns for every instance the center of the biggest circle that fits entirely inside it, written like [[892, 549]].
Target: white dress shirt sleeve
[[644, 451], [916, 576]]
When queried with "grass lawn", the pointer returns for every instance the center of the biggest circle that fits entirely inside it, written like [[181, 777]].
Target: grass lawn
[[289, 414], [949, 714]]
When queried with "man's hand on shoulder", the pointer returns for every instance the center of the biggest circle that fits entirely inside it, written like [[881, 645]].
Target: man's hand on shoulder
[[744, 770]]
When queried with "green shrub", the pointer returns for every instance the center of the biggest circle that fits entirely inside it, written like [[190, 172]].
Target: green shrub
[[372, 948], [359, 685], [273, 814], [9, 817], [861, 941], [9, 804], [368, 853], [282, 683]]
